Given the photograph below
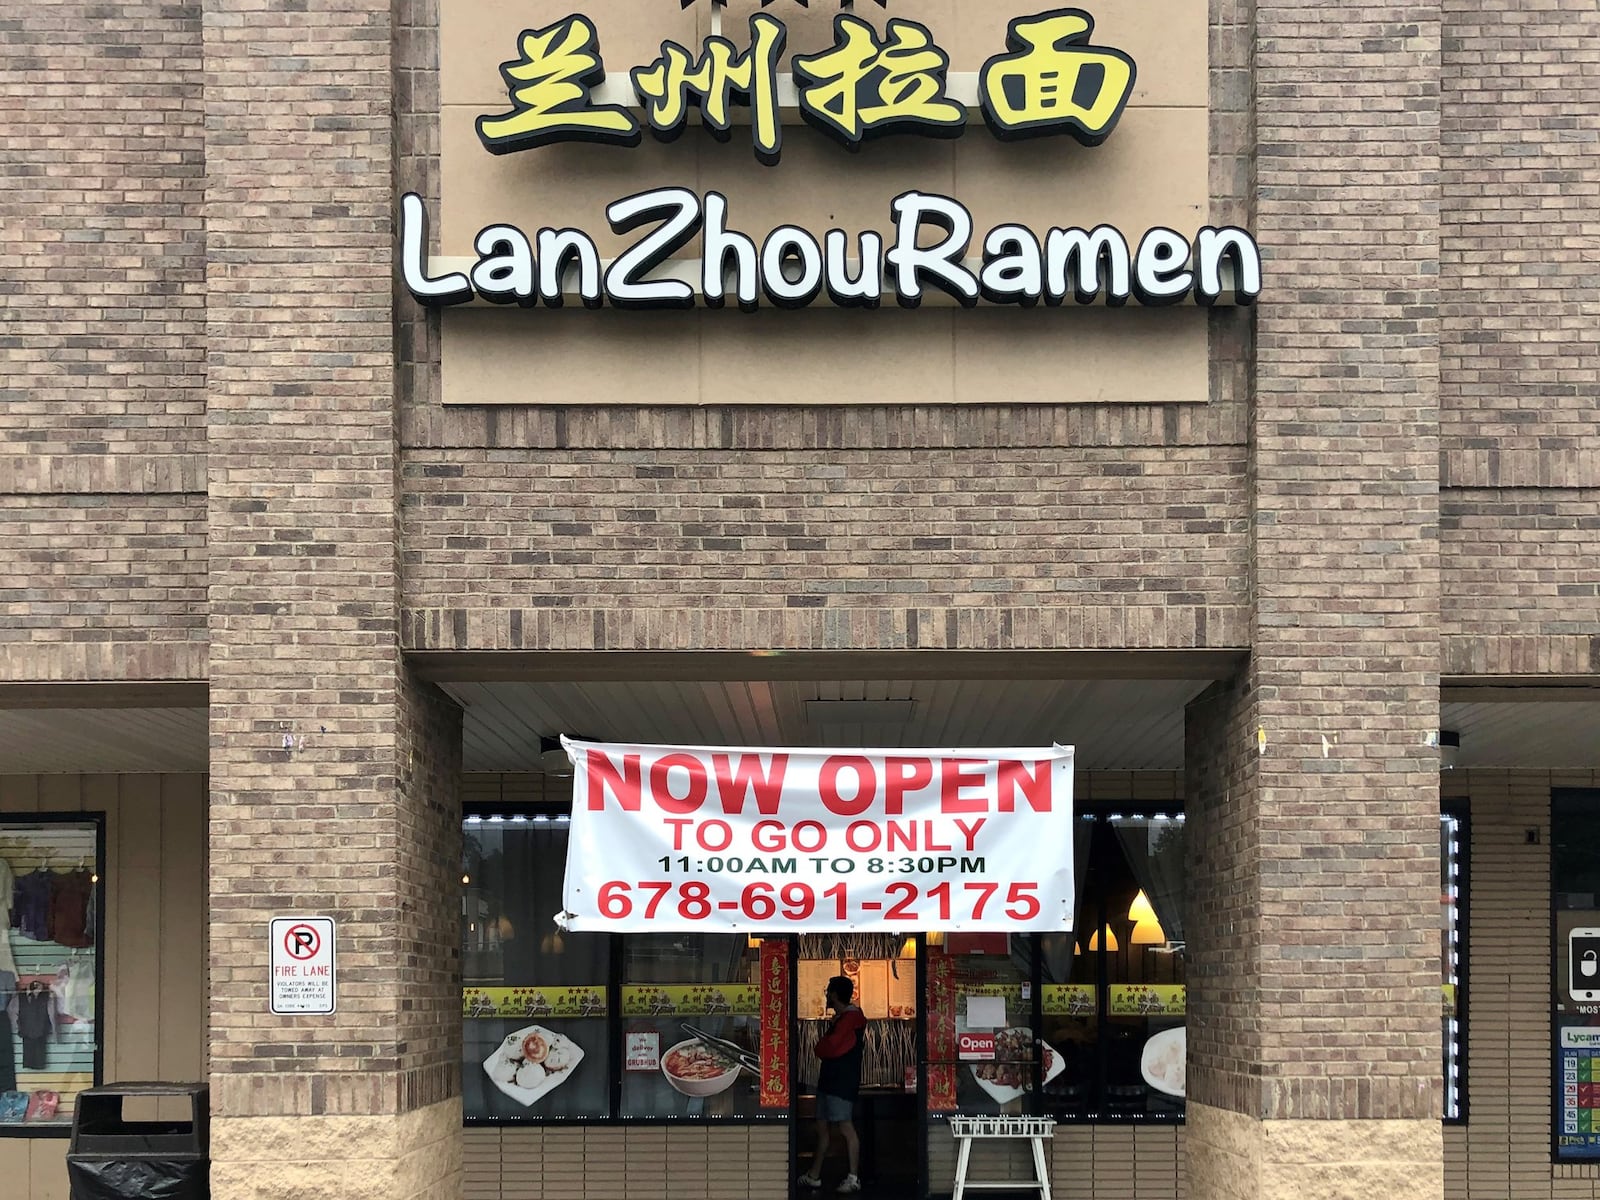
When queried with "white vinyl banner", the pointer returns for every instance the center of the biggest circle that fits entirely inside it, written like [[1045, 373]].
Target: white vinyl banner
[[680, 838]]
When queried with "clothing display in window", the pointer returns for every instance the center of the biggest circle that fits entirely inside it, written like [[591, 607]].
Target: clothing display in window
[[74, 990], [70, 908], [34, 1012], [13, 1107], [49, 965], [30, 905]]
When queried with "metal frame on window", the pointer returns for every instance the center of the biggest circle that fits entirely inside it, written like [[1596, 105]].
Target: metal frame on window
[[1459, 811]]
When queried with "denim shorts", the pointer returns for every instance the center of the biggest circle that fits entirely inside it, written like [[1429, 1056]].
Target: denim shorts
[[834, 1108]]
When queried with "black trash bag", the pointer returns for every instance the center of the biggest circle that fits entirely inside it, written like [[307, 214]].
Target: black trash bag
[[138, 1179]]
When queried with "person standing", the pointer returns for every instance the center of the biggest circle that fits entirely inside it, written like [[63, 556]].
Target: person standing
[[838, 1084]]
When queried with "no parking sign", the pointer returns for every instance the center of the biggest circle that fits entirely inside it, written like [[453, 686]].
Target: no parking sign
[[304, 978]]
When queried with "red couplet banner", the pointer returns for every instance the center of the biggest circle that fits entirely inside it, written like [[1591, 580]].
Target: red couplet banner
[[670, 838]]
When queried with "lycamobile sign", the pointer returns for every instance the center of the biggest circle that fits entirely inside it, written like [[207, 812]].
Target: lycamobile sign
[[1050, 81]]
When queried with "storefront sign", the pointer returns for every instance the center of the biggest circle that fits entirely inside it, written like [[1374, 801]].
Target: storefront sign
[[304, 978], [702, 839], [793, 267], [1050, 81], [975, 1047], [775, 1023]]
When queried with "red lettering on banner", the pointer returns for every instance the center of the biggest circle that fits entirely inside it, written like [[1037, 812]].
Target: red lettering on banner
[[971, 831], [866, 784], [661, 783], [625, 785], [954, 779], [902, 775], [735, 783], [768, 835], [1012, 777], [677, 825], [815, 831], [869, 839], [914, 835]]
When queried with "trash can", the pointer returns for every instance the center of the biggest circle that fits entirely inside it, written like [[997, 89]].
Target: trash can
[[113, 1158]]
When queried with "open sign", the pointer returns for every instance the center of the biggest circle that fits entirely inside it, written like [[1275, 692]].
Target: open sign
[[975, 1047]]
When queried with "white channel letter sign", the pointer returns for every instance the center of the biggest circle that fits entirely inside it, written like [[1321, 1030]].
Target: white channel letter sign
[[305, 979], [792, 267], [709, 839]]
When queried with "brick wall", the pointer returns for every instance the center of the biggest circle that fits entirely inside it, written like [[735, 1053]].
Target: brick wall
[[102, 400], [1521, 594], [113, 580], [853, 549], [318, 738], [1518, 367], [1223, 891], [1337, 995]]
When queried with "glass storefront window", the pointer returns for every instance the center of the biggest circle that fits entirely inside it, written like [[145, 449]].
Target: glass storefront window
[[535, 999], [691, 1025], [50, 918], [1575, 1024], [1114, 992]]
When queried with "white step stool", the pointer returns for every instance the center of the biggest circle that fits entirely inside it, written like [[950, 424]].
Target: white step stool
[[1035, 1129]]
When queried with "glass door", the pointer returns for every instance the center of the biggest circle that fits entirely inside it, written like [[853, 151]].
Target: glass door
[[881, 970], [984, 1052]]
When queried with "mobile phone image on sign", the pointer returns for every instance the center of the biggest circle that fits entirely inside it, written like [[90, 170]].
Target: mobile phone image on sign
[[1583, 958]]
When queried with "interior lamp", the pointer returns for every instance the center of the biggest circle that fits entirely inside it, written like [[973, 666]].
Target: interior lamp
[[1111, 939]]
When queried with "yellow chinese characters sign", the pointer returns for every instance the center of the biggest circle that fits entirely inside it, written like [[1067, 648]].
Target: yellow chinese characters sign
[[486, 1002], [1148, 1000], [711, 999], [1050, 80], [1069, 1000]]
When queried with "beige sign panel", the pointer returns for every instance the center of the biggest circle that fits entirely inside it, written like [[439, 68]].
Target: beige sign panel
[[1150, 173]]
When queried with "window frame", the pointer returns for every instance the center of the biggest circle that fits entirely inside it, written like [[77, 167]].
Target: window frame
[[1460, 810], [63, 1129]]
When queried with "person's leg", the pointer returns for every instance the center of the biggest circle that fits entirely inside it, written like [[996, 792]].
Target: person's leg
[[813, 1177], [852, 1145]]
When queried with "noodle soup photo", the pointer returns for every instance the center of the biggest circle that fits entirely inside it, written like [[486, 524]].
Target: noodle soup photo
[[694, 1069]]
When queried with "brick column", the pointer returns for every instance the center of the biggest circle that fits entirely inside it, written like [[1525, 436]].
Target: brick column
[[334, 774], [1314, 1041]]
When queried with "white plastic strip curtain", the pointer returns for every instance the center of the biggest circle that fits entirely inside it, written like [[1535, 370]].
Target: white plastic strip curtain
[[701, 838]]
